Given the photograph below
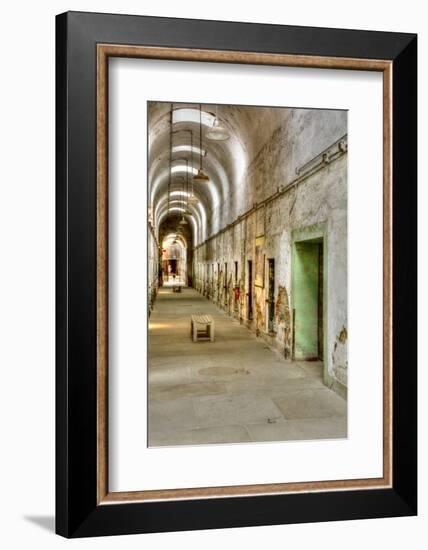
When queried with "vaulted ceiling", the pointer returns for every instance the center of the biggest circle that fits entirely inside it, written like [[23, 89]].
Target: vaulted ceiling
[[225, 162]]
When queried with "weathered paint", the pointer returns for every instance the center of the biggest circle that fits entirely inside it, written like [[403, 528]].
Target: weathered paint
[[340, 357], [305, 304], [283, 319]]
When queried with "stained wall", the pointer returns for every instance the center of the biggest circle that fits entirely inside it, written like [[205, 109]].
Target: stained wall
[[295, 188]]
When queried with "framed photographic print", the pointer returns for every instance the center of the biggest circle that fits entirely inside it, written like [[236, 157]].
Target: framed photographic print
[[236, 274]]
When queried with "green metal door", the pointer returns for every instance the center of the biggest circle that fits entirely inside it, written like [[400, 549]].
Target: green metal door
[[306, 299]]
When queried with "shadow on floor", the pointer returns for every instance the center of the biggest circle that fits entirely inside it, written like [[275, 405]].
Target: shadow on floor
[[45, 522]]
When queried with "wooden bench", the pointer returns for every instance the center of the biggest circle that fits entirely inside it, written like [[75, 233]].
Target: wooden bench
[[202, 326]]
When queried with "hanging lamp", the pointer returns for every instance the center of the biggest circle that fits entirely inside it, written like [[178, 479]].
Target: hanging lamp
[[170, 158], [217, 132], [191, 199], [186, 202], [200, 177], [182, 201]]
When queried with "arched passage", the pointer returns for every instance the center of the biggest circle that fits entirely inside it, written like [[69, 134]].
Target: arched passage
[[174, 260], [247, 214], [176, 250]]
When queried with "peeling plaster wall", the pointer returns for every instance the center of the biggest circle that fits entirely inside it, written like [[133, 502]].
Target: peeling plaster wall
[[297, 135], [320, 199]]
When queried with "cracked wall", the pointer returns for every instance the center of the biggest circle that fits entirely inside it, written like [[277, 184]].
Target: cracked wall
[[221, 264]]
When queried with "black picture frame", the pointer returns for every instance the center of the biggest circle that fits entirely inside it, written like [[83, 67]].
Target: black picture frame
[[77, 511]]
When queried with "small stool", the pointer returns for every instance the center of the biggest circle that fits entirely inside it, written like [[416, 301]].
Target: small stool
[[207, 324]]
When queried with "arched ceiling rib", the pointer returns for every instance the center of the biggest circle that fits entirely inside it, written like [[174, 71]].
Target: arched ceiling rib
[[177, 212], [176, 205], [169, 226]]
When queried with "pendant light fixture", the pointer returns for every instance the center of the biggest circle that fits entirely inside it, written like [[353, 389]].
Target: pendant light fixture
[[182, 197], [170, 158], [183, 220], [200, 177], [186, 202], [217, 132], [191, 199]]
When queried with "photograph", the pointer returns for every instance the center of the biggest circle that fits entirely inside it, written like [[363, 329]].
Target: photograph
[[247, 273], [212, 302], [236, 274]]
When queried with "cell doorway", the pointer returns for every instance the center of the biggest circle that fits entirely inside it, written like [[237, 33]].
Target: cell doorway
[[308, 300]]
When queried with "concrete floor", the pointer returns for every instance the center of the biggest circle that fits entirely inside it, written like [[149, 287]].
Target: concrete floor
[[234, 390]]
